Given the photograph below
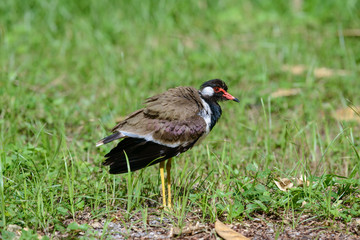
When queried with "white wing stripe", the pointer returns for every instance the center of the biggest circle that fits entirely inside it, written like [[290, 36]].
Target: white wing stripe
[[148, 137]]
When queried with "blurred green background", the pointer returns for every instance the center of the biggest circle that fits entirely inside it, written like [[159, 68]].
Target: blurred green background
[[70, 69]]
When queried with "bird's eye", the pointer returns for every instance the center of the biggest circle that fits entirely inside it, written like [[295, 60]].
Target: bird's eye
[[216, 89]]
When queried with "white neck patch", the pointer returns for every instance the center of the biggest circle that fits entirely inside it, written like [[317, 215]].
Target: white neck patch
[[207, 91], [206, 113]]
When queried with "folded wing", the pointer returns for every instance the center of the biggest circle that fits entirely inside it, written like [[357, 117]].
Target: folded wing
[[168, 125]]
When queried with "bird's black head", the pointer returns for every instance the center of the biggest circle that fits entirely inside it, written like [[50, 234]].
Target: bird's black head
[[216, 90]]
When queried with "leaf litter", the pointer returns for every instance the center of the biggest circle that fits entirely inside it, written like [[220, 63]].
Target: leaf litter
[[227, 233], [347, 114], [279, 225], [281, 92], [285, 183]]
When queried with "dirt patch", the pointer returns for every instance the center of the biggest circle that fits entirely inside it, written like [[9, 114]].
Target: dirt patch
[[163, 226]]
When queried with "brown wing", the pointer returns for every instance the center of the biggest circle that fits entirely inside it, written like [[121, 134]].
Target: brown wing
[[179, 103], [171, 118]]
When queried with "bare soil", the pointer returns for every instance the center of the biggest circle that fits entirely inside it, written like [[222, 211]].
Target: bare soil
[[260, 227]]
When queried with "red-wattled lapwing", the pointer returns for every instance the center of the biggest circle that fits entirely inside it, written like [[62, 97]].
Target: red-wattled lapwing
[[169, 124]]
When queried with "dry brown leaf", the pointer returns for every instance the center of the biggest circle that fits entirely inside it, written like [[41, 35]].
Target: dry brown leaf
[[351, 33], [347, 114], [295, 69], [227, 233], [15, 229], [284, 184], [328, 72], [285, 92], [96, 225], [321, 72], [357, 221], [302, 180]]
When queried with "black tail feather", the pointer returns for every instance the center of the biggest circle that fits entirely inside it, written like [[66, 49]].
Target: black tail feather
[[110, 138], [140, 153]]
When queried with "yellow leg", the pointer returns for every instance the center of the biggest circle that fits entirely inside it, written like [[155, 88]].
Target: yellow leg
[[168, 171], [163, 182]]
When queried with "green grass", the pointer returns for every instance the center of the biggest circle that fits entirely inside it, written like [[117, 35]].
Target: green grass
[[70, 69]]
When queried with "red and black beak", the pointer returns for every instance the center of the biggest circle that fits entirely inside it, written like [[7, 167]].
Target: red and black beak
[[228, 95]]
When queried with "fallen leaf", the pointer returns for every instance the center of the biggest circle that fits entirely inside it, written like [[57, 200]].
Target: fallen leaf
[[357, 221], [321, 72], [284, 184], [285, 92], [294, 69], [347, 114], [328, 72], [351, 33], [14, 228], [96, 225], [301, 180], [227, 233]]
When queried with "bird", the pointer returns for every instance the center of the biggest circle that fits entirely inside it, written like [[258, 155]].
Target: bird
[[169, 124]]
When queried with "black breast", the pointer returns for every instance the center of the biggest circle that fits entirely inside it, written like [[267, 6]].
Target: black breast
[[216, 112]]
